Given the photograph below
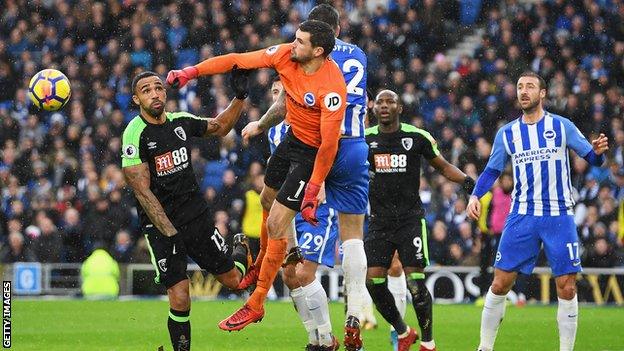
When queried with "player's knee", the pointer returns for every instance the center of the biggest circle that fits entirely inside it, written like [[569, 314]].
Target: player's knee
[[305, 277], [567, 292], [267, 196], [500, 288], [179, 299], [418, 290], [290, 278], [273, 227], [266, 201]]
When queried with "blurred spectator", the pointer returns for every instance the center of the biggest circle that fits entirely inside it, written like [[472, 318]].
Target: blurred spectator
[[122, 249], [16, 251], [49, 244]]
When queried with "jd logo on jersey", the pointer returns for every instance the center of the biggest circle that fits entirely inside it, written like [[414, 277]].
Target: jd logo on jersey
[[179, 131], [407, 143]]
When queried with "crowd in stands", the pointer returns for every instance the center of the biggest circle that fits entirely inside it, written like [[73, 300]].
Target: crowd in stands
[[62, 189]]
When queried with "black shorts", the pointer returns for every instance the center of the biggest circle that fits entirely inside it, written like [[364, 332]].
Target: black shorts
[[289, 170], [203, 242], [407, 236]]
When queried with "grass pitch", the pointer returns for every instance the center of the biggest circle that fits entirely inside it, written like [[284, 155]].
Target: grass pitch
[[141, 325]]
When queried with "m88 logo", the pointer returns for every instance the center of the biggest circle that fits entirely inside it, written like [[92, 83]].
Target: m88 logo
[[171, 159], [386, 161]]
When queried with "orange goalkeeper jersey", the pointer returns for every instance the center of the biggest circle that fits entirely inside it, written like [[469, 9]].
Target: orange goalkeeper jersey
[[315, 103]]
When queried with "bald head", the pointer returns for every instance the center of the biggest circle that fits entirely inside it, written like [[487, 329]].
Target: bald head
[[387, 108], [387, 92]]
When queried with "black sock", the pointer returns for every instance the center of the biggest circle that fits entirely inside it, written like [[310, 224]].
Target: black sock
[[239, 255], [421, 299], [179, 330], [382, 297]]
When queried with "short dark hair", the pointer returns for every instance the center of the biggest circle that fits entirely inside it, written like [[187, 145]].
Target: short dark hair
[[140, 76], [321, 35], [276, 78], [325, 13], [542, 82]]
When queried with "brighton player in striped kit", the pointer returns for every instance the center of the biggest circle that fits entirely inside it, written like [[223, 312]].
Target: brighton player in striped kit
[[537, 145]]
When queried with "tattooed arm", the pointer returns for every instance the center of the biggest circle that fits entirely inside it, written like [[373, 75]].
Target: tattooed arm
[[138, 177], [224, 122], [274, 115]]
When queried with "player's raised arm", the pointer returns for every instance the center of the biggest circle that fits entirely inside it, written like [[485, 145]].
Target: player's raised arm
[[224, 122], [272, 117], [592, 153], [265, 58], [493, 169]]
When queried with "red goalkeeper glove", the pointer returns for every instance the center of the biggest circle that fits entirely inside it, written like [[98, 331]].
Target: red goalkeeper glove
[[310, 203], [179, 77]]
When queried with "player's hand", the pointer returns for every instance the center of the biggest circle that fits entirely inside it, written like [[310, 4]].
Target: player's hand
[[251, 130], [239, 80], [474, 208], [310, 203], [178, 78], [175, 247], [601, 144]]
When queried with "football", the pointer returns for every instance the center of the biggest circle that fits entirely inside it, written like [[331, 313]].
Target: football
[[49, 90]]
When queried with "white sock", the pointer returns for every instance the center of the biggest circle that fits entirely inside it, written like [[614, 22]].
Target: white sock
[[354, 266], [428, 344], [368, 309], [493, 313], [398, 288], [567, 319], [316, 299], [299, 298]]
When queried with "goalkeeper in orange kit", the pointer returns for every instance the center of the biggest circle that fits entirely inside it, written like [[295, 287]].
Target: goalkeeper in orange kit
[[315, 106]]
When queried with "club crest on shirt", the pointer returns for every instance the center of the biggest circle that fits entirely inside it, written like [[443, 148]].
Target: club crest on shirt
[[162, 264], [309, 99], [549, 134], [271, 50], [179, 131], [407, 143]]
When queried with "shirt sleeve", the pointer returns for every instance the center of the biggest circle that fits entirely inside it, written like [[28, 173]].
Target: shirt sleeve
[[131, 154], [498, 156], [265, 58], [575, 139], [430, 146], [333, 106], [196, 125]]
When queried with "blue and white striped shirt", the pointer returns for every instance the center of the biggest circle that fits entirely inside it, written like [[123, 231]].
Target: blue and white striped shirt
[[541, 166], [352, 62], [277, 134]]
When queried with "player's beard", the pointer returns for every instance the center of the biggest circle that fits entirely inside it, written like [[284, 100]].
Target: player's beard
[[530, 108], [155, 112], [300, 60]]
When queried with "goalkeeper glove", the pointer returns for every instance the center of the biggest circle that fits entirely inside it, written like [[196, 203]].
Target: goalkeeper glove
[[178, 78], [310, 203], [239, 80]]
